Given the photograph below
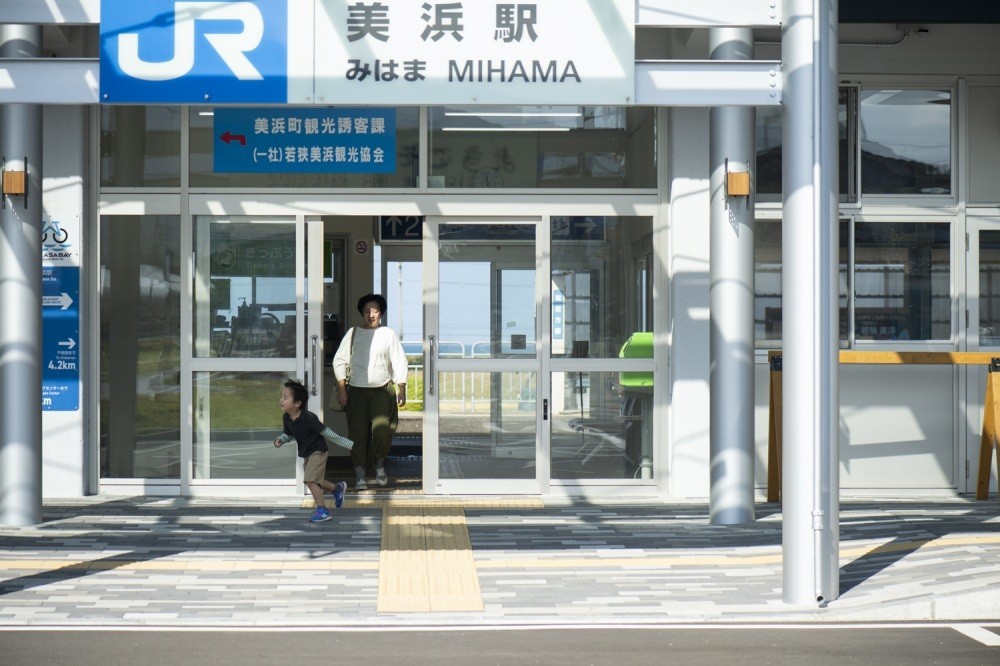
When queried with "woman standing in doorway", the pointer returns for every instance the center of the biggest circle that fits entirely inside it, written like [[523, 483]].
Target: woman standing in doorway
[[370, 367]]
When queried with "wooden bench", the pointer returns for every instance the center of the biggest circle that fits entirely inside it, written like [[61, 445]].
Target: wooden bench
[[991, 416]]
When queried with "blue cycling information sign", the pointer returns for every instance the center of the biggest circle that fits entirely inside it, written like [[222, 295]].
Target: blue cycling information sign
[[304, 140], [60, 338]]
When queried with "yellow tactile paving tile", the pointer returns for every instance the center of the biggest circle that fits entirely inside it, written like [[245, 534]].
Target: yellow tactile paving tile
[[426, 562]]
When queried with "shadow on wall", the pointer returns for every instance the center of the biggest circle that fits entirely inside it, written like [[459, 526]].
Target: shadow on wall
[[896, 427], [689, 326]]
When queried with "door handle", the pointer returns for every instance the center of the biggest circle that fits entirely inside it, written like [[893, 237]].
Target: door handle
[[312, 362], [545, 409], [431, 353]]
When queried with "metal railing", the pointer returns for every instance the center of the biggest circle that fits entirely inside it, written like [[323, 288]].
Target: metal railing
[[469, 391]]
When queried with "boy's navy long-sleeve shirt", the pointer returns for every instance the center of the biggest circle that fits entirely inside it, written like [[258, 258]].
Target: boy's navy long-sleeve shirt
[[307, 431]]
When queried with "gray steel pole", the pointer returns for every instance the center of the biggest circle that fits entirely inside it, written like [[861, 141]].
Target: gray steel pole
[[731, 145], [810, 470], [21, 299]]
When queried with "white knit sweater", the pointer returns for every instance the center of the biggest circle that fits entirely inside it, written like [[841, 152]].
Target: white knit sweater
[[377, 357]]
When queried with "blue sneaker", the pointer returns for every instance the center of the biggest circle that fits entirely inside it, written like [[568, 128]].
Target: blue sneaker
[[338, 494], [322, 514]]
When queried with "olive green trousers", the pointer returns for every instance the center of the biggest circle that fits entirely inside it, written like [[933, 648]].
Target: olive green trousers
[[372, 417]]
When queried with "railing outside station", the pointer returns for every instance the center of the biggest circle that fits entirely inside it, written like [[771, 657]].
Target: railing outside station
[[990, 434], [468, 392]]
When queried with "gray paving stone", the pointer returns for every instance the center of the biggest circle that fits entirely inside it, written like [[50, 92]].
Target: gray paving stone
[[644, 558]]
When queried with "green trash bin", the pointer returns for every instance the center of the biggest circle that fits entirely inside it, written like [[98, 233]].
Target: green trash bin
[[637, 404], [638, 345]]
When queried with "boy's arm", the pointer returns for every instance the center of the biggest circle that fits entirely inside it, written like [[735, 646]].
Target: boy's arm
[[332, 437], [283, 438]]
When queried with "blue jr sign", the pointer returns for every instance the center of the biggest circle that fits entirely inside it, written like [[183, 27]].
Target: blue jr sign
[[194, 52]]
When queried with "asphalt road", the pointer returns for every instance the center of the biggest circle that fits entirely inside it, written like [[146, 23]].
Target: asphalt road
[[883, 645]]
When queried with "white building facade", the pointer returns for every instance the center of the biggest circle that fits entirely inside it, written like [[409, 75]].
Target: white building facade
[[545, 255]]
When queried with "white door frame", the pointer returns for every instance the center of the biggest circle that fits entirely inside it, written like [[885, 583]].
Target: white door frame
[[432, 483], [309, 295]]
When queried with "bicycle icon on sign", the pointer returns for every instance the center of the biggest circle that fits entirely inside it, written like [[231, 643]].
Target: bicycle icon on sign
[[58, 236]]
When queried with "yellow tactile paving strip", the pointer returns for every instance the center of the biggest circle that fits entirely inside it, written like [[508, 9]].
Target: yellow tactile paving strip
[[425, 561]]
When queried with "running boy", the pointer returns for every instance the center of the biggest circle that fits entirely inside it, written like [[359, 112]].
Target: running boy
[[311, 437]]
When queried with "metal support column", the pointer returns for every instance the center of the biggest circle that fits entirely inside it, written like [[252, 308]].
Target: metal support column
[[810, 472], [731, 150], [21, 298]]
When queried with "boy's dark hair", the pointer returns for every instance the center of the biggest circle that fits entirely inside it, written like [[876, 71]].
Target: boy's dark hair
[[368, 298], [299, 392]]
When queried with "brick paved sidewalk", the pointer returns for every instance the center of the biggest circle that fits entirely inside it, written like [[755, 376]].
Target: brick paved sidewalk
[[408, 560]]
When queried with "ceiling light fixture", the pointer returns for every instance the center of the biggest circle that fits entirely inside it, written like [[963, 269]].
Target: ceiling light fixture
[[505, 129], [514, 114]]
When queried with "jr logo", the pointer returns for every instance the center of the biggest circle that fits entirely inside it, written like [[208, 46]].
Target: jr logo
[[230, 46]]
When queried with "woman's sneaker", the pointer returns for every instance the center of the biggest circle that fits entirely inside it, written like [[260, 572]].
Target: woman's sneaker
[[381, 478], [320, 515], [359, 483]]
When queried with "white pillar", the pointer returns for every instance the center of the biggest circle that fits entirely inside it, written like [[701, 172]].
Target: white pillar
[[731, 437], [21, 299], [810, 470]]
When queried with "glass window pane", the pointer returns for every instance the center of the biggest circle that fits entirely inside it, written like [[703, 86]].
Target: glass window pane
[[140, 146], [989, 288], [905, 142], [488, 425], [767, 177], [902, 278], [203, 172], [140, 355], [593, 311], [486, 277], [602, 428], [767, 282], [535, 147], [236, 419], [984, 110], [244, 292]]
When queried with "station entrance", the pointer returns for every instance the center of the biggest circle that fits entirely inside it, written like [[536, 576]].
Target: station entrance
[[528, 341]]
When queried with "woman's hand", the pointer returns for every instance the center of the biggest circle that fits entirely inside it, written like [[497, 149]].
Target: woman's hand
[[400, 394], [342, 394]]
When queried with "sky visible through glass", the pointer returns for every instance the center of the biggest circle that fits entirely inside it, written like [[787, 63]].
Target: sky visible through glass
[[465, 302]]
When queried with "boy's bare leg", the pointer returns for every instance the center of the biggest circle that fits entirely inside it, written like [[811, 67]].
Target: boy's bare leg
[[317, 492]]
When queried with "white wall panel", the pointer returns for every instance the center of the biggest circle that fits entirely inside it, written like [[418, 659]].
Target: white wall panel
[[897, 427], [689, 316]]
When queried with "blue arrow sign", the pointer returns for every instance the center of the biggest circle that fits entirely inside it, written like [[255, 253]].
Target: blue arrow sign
[[60, 338]]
